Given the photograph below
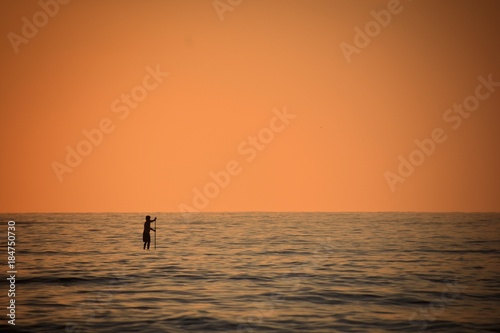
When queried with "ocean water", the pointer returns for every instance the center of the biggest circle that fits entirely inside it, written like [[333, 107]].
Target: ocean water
[[255, 272]]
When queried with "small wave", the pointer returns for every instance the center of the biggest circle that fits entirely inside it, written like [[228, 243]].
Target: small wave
[[189, 276], [482, 251], [249, 277], [200, 323], [67, 281]]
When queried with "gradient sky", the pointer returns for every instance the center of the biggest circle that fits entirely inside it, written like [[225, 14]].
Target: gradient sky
[[225, 77]]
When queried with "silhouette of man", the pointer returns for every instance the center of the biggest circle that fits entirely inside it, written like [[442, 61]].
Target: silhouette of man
[[146, 237]]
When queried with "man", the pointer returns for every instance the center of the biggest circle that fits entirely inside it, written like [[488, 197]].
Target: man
[[146, 237]]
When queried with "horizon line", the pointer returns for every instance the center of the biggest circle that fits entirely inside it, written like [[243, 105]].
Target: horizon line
[[242, 211]]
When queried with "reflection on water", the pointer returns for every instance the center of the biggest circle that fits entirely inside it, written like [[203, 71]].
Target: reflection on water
[[258, 272]]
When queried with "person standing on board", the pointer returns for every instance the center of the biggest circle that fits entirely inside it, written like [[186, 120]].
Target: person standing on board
[[146, 237]]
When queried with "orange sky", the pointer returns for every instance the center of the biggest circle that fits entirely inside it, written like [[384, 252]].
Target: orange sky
[[232, 67]]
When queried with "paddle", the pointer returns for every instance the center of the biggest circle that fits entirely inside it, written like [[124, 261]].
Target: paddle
[[155, 232]]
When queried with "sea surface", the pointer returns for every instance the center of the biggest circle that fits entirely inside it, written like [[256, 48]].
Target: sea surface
[[255, 272]]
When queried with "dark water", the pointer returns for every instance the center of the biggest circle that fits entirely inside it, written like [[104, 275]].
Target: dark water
[[256, 272]]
